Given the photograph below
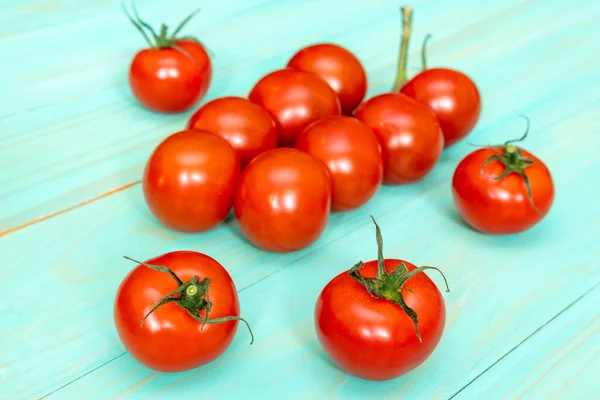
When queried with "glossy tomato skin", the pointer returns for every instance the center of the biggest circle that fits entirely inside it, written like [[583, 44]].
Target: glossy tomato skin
[[170, 340], [247, 127], [167, 80], [283, 200], [352, 156], [294, 99], [408, 132], [500, 206], [190, 179], [339, 67], [452, 95], [373, 338]]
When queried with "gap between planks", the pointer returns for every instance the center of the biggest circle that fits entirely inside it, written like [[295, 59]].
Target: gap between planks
[[70, 208], [577, 300]]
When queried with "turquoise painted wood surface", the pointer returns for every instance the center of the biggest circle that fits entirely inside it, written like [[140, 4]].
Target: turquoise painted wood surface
[[73, 144]]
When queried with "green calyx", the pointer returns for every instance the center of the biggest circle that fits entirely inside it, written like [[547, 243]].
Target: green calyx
[[162, 40], [192, 296], [389, 286], [514, 162]]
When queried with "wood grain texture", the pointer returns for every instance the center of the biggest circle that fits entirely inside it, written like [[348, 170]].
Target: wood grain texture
[[58, 277], [81, 96], [561, 361]]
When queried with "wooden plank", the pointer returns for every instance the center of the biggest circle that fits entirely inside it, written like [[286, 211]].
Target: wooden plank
[[78, 121], [28, 15], [74, 260], [560, 361]]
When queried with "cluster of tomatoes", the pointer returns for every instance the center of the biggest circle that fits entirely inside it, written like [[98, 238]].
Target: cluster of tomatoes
[[305, 143]]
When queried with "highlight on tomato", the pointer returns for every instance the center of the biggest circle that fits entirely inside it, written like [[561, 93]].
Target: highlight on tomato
[[502, 189], [247, 127], [451, 94], [283, 200], [339, 67], [189, 180], [177, 311], [174, 73], [380, 319]]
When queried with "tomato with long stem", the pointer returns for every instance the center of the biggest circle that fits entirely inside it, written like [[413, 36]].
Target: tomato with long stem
[[451, 94], [380, 319], [502, 189], [177, 311], [174, 73]]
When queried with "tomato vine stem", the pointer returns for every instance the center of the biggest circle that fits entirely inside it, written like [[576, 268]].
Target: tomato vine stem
[[389, 286], [401, 75], [162, 40], [424, 51], [191, 296]]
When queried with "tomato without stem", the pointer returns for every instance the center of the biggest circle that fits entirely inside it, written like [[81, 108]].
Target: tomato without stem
[[177, 311], [283, 199], [409, 134], [248, 127], [490, 189], [173, 74], [450, 94], [294, 99], [190, 179], [352, 155], [381, 319], [339, 67]]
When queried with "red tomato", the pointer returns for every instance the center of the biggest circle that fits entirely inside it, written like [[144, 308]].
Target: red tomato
[[452, 95], [409, 134], [247, 127], [491, 194], [173, 74], [295, 99], [190, 179], [339, 67], [170, 339], [283, 200], [352, 155], [365, 327]]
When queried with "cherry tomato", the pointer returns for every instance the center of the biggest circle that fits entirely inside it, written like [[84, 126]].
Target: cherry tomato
[[352, 155], [339, 67], [190, 179], [409, 134], [379, 331], [173, 74], [452, 95], [167, 331], [490, 189], [283, 200], [295, 99], [248, 127]]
